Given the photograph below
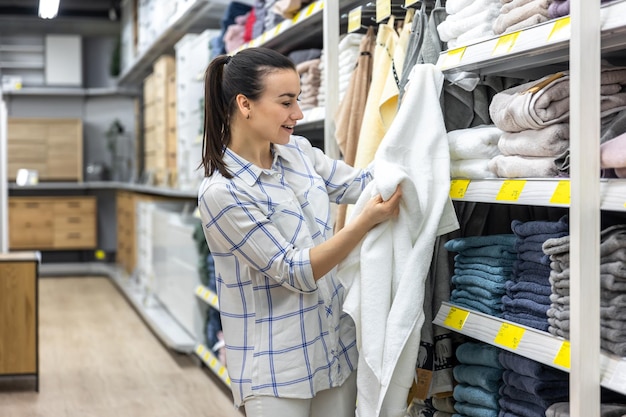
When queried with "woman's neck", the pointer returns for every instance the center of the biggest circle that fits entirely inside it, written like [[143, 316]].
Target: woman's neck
[[257, 153]]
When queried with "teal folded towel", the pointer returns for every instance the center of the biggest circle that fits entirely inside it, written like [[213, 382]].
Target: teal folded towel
[[475, 353], [475, 395], [472, 410], [463, 243], [485, 377]]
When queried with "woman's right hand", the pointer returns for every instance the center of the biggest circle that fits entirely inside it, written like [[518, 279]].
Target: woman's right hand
[[377, 210]]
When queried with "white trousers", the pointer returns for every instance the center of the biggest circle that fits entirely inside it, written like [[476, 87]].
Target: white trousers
[[335, 402]]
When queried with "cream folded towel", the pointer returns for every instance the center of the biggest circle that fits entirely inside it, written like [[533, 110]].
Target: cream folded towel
[[515, 15], [451, 29], [550, 141], [523, 167], [473, 169], [480, 142]]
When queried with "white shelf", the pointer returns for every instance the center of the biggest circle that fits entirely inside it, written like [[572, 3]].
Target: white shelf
[[528, 342], [534, 191], [207, 296], [212, 362], [539, 45], [182, 22], [21, 65], [22, 48]]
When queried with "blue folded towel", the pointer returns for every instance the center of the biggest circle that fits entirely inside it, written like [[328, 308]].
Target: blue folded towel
[[514, 287], [472, 284], [462, 243], [475, 395], [473, 410], [536, 323], [530, 368], [475, 353], [539, 305], [461, 260], [494, 301], [484, 377], [538, 268], [477, 266], [476, 305], [521, 228], [520, 395], [479, 292], [544, 389], [483, 274], [521, 408]]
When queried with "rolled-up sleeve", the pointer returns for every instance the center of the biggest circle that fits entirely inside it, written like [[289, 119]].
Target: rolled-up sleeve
[[236, 225]]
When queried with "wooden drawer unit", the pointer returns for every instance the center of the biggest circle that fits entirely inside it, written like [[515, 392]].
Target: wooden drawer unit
[[52, 223], [53, 147]]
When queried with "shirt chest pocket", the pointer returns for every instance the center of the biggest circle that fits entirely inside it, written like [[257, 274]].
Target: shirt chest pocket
[[288, 218]]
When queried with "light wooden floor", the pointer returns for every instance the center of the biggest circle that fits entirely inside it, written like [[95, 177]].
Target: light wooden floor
[[99, 359]]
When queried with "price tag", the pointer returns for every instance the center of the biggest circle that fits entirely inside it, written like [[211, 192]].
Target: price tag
[[561, 30], [221, 371], [277, 29], [408, 3], [100, 254], [561, 193], [214, 300], [354, 19], [213, 362], [511, 190], [309, 10], [505, 43], [227, 380], [263, 38], [200, 349], [458, 188], [453, 57], [383, 10], [509, 336], [456, 318], [206, 356], [562, 357]]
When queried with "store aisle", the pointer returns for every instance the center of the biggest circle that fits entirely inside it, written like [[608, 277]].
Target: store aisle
[[98, 359]]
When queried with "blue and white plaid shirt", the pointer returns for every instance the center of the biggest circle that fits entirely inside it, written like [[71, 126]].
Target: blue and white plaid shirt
[[286, 334]]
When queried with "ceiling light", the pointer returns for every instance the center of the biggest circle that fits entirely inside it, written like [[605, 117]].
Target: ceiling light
[[48, 9]]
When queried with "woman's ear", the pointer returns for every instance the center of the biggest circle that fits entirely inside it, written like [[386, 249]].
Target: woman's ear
[[243, 106]]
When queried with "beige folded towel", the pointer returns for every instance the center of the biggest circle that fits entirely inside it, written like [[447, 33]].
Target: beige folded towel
[[522, 167], [529, 10], [550, 141]]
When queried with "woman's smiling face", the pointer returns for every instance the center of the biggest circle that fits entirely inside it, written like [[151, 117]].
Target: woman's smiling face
[[275, 114]]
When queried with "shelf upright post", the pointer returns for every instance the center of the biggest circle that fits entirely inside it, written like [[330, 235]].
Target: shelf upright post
[[585, 208], [4, 188], [331, 76]]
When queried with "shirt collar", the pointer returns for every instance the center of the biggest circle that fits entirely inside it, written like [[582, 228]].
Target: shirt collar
[[244, 169]]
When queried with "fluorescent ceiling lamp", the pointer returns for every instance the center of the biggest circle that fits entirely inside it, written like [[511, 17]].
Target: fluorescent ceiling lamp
[[48, 9]]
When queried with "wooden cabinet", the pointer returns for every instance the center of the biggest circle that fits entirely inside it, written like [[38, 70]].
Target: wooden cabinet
[[52, 147], [19, 314], [52, 223]]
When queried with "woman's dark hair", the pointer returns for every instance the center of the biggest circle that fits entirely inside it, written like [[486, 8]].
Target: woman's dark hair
[[225, 78]]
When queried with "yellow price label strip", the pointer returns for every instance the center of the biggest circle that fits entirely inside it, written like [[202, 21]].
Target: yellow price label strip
[[509, 336], [214, 300], [263, 38], [227, 380], [199, 290], [561, 193], [100, 254], [562, 357], [200, 349], [511, 190], [456, 318], [206, 356], [458, 188], [213, 362], [221, 371], [561, 30], [453, 57], [383, 10], [408, 3], [505, 44], [354, 19]]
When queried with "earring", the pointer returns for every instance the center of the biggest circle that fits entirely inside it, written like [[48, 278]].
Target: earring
[[248, 116]]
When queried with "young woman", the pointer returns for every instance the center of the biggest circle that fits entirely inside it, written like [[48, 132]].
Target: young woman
[[265, 206]]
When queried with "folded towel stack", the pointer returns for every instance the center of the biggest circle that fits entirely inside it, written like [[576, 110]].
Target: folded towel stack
[[471, 149], [527, 297], [534, 116], [559, 8], [612, 284], [468, 21], [520, 14], [309, 82], [435, 407], [481, 268], [479, 377], [530, 387]]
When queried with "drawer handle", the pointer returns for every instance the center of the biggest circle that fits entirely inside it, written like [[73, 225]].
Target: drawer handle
[[74, 219], [32, 205], [74, 235], [73, 204]]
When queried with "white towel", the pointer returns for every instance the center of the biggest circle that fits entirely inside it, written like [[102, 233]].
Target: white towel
[[473, 169], [474, 142], [385, 275]]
